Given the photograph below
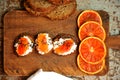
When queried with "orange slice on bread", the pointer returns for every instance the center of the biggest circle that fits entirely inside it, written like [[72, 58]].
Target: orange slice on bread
[[23, 45], [64, 46], [43, 43]]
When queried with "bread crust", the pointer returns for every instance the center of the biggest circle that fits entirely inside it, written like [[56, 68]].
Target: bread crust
[[64, 36]]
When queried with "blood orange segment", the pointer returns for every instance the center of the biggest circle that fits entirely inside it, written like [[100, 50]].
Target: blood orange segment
[[92, 50], [42, 43], [89, 15], [65, 47], [21, 49], [23, 41], [23, 46], [91, 28], [90, 68]]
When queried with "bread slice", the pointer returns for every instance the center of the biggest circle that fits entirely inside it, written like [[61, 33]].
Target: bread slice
[[62, 11], [64, 44], [59, 2], [56, 2], [23, 44], [43, 43], [38, 7]]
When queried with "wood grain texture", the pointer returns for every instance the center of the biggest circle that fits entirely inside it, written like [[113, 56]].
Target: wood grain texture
[[17, 22]]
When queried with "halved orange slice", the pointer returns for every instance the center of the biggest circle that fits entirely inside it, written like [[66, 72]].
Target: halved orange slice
[[91, 28], [89, 15], [90, 68], [92, 50]]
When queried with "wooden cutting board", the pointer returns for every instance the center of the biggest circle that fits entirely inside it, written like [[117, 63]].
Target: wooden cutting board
[[17, 22]]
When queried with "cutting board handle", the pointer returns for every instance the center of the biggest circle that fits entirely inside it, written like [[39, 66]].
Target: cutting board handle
[[113, 42]]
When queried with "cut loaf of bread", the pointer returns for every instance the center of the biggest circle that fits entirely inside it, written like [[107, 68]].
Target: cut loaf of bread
[[62, 11], [59, 2], [38, 7]]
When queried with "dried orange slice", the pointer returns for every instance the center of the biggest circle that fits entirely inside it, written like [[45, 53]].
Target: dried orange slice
[[91, 28], [90, 68], [92, 50], [89, 15]]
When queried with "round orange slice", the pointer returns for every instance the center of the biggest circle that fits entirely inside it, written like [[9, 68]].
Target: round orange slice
[[91, 28], [92, 50], [89, 15], [90, 68]]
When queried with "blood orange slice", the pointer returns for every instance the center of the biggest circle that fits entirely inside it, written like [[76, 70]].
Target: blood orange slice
[[90, 68], [92, 50], [91, 28], [89, 15]]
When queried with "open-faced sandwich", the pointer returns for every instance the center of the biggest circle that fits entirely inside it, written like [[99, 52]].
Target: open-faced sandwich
[[43, 43], [64, 45], [24, 45]]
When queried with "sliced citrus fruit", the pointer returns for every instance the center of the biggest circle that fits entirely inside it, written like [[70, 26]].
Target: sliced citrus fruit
[[92, 50], [91, 28], [89, 15], [90, 68]]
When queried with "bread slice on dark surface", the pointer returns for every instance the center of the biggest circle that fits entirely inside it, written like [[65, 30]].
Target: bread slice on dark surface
[[62, 11], [38, 7]]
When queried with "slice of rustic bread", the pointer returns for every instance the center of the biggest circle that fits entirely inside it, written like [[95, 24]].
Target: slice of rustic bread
[[56, 2], [38, 7], [62, 11], [59, 2]]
